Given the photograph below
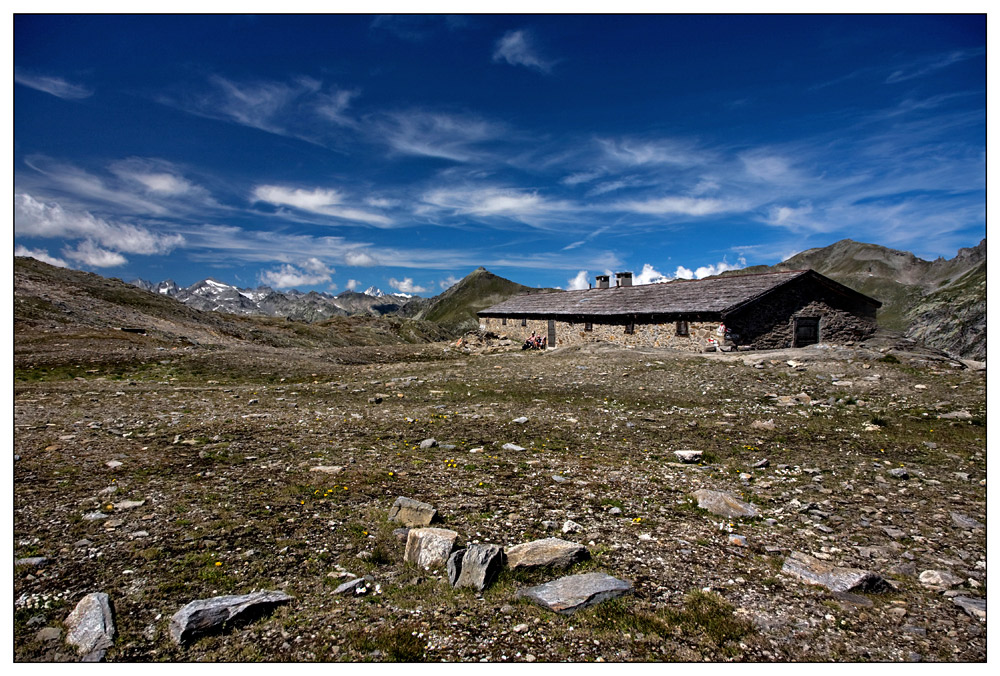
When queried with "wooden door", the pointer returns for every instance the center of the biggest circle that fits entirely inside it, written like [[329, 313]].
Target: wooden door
[[806, 331], [552, 333]]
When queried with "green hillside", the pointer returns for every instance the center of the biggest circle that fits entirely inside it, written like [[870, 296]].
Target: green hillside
[[456, 308]]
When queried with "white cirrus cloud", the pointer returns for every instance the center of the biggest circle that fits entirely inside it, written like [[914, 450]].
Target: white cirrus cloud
[[322, 201], [580, 281], [33, 218], [517, 48], [56, 86], [632, 152], [522, 205], [309, 272], [406, 285], [448, 136], [40, 254], [89, 253], [684, 206]]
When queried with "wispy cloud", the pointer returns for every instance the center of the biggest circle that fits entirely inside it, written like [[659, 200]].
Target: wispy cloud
[[517, 48], [323, 201], [931, 64], [299, 108], [33, 218], [677, 205], [449, 136], [56, 86], [448, 282], [309, 272], [40, 254]]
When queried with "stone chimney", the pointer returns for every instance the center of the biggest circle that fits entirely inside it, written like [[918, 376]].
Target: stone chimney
[[623, 279], [603, 281]]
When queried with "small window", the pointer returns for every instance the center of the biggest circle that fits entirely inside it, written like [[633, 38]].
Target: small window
[[682, 328], [524, 322], [630, 328], [589, 326], [503, 322]]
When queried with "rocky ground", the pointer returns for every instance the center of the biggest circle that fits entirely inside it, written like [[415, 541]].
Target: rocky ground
[[165, 475]]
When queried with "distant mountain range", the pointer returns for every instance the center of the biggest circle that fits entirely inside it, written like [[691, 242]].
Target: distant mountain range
[[212, 295]]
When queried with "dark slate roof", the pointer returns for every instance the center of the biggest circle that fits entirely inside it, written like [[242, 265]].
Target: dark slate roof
[[708, 298]]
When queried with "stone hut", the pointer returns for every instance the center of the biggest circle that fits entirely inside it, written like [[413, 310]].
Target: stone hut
[[757, 311]]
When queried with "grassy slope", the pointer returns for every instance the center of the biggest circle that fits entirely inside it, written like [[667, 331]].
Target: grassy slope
[[71, 302], [456, 308]]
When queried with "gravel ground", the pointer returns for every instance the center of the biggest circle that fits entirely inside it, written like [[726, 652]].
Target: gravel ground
[[167, 475]]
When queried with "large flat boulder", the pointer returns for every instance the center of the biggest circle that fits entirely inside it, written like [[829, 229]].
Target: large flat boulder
[[725, 504], [412, 513], [812, 570], [90, 627], [548, 552], [429, 547], [569, 594], [204, 616]]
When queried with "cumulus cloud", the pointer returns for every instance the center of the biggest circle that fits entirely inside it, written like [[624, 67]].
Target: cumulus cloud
[[361, 259], [33, 218], [89, 253], [39, 254], [718, 268], [309, 272], [649, 276], [517, 49], [56, 86], [580, 281], [683, 273], [406, 285], [323, 201], [352, 284], [448, 282]]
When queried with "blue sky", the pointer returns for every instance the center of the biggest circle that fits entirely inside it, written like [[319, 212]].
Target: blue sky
[[338, 152]]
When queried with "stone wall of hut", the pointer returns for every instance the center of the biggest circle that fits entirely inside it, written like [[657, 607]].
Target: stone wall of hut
[[770, 323], [645, 335]]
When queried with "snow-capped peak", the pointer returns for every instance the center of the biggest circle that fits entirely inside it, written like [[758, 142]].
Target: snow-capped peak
[[374, 291]]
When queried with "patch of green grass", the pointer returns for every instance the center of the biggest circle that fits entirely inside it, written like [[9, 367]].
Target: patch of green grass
[[888, 359], [709, 614], [397, 644], [620, 616]]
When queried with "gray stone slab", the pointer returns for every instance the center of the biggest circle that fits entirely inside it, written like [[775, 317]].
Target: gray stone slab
[[553, 552], [570, 594], [725, 504], [975, 607], [207, 615], [812, 570], [412, 513], [478, 566]]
